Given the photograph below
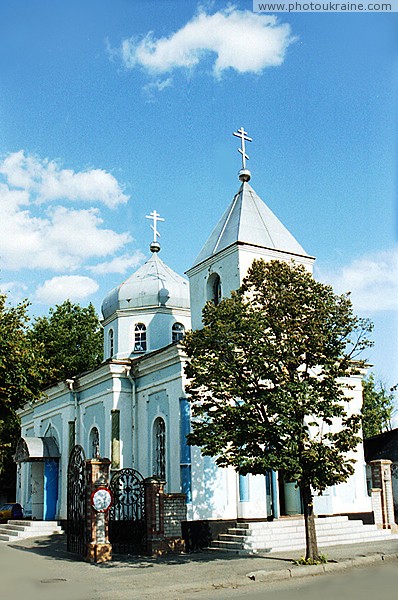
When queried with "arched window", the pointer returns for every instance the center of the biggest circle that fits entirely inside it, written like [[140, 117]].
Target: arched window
[[177, 332], [214, 292], [140, 338], [159, 449], [94, 443], [110, 343]]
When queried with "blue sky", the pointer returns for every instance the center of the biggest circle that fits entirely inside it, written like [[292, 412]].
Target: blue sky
[[112, 108]]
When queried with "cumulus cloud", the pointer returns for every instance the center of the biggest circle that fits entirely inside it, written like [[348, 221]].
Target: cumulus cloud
[[52, 237], [119, 264], [62, 239], [371, 279], [46, 181], [72, 287], [238, 40]]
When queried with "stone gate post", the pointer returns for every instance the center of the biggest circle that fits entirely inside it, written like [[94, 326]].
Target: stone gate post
[[98, 547], [384, 502]]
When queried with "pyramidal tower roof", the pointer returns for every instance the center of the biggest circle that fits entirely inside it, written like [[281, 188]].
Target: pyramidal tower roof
[[248, 220]]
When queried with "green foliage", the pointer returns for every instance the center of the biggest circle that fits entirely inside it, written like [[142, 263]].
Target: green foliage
[[265, 378], [321, 560], [72, 339], [378, 407], [22, 372], [264, 371]]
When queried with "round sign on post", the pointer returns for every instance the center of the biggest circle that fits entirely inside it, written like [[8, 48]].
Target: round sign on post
[[101, 499]]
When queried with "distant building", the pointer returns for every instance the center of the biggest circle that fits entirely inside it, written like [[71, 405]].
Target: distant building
[[384, 446]]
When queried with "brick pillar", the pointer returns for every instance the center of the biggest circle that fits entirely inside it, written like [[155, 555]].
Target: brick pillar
[[377, 507], [381, 479], [154, 513], [98, 547]]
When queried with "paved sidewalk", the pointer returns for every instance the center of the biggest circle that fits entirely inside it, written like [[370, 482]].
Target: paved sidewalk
[[41, 568]]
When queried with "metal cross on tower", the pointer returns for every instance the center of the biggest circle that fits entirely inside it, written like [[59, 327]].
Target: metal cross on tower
[[155, 217], [242, 134]]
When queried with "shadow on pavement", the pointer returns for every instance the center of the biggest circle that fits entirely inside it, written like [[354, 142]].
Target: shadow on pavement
[[54, 547]]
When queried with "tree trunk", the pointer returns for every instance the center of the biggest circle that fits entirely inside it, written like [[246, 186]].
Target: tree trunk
[[309, 520]]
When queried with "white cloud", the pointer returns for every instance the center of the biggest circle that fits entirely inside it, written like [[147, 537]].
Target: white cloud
[[46, 181], [240, 40], [62, 239], [56, 238], [72, 287], [371, 279], [120, 264]]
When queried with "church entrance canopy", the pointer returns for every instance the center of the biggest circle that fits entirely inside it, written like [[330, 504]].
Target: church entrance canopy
[[36, 448]]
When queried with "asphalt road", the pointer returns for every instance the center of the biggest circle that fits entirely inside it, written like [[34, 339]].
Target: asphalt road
[[365, 583], [41, 569]]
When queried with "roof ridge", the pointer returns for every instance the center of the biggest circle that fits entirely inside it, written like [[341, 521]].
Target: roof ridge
[[251, 222], [233, 204]]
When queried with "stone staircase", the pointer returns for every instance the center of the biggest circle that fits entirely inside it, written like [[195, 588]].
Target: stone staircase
[[289, 534], [13, 531]]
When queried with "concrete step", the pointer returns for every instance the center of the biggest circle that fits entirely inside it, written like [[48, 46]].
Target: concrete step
[[231, 549], [333, 543], [291, 522], [24, 529], [296, 525], [325, 541], [296, 530], [33, 523], [275, 536]]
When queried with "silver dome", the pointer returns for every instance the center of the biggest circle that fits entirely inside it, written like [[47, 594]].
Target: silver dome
[[154, 284]]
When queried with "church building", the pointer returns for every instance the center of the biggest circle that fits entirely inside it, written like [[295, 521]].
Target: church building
[[133, 408]]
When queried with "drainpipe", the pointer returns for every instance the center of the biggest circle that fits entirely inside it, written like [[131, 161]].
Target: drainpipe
[[133, 412], [71, 386]]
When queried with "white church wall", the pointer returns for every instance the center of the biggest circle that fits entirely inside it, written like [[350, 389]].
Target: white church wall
[[226, 266], [247, 254], [254, 505], [123, 401], [231, 265], [350, 496], [44, 419], [158, 391], [158, 322]]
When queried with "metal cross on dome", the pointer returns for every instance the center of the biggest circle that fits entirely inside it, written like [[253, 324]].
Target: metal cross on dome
[[242, 134], [155, 217]]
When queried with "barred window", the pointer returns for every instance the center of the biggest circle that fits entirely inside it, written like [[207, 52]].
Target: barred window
[[140, 338], [111, 343], [159, 449], [177, 332]]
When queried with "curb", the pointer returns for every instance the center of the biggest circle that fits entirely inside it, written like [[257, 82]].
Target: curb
[[312, 570]]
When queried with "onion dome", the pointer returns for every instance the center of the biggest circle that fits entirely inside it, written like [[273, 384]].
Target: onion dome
[[153, 285]]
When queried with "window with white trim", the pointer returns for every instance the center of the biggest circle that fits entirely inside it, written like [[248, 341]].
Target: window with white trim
[[140, 343], [177, 332]]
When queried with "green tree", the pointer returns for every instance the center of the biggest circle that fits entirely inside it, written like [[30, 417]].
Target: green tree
[[265, 381], [22, 372], [72, 338], [378, 407]]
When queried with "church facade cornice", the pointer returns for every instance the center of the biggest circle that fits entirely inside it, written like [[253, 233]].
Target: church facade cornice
[[270, 253]]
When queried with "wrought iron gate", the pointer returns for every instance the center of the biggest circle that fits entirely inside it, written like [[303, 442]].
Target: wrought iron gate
[[127, 524], [76, 529]]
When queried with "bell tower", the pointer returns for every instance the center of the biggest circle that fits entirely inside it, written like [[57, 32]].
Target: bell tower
[[247, 230]]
